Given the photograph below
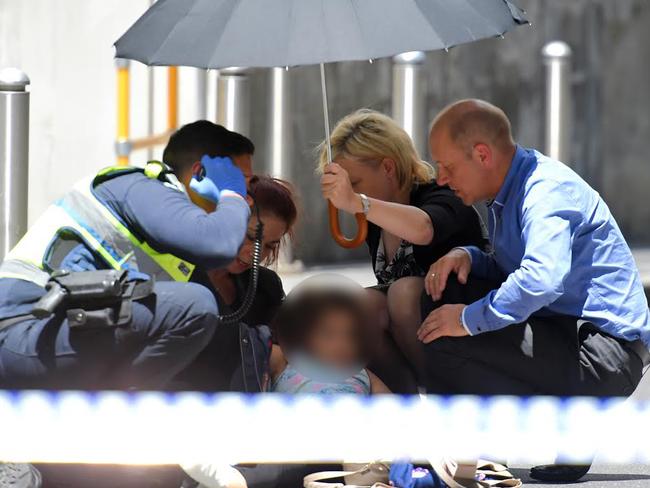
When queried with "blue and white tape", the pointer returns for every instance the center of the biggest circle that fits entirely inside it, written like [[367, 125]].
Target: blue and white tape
[[158, 428]]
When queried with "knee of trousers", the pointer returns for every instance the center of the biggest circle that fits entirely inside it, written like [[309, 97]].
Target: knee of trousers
[[199, 301], [444, 353], [453, 293], [195, 307]]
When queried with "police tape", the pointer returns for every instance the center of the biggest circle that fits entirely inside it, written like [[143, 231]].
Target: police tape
[[160, 428]]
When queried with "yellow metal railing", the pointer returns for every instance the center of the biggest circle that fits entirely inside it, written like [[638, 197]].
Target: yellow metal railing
[[123, 92], [172, 98], [124, 145]]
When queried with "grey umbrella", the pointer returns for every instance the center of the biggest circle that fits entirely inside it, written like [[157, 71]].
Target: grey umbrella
[[271, 33], [268, 33]]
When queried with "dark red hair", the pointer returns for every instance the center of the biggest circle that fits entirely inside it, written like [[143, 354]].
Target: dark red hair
[[277, 197]]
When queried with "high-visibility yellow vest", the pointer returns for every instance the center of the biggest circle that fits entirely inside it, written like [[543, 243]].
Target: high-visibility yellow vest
[[79, 217]]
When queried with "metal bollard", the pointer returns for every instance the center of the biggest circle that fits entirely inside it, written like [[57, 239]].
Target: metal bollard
[[14, 157], [233, 100], [279, 132], [557, 60], [279, 137], [408, 96]]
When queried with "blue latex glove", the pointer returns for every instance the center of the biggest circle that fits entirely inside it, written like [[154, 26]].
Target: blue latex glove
[[402, 475], [220, 174]]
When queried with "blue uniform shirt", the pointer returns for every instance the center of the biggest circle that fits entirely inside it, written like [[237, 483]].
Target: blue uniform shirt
[[560, 251], [161, 215]]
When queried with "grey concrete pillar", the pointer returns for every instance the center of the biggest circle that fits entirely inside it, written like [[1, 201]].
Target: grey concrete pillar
[[233, 100], [14, 157], [408, 97], [557, 61]]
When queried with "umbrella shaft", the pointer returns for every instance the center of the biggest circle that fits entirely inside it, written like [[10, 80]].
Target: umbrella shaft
[[326, 114]]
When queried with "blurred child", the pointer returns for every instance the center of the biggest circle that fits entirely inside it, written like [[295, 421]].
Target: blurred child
[[322, 332], [321, 329]]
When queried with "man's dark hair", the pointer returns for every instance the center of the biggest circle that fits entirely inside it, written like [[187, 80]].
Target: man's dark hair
[[192, 141]]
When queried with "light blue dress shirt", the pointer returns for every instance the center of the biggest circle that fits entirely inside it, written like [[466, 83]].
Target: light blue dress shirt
[[560, 251]]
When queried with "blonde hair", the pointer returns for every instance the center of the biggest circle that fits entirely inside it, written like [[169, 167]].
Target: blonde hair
[[368, 135]]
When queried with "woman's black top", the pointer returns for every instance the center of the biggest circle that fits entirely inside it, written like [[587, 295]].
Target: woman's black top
[[214, 367], [454, 224], [268, 297]]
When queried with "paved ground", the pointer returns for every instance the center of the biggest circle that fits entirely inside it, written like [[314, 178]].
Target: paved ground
[[601, 475]]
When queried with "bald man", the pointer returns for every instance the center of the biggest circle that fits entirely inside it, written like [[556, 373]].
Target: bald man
[[558, 306]]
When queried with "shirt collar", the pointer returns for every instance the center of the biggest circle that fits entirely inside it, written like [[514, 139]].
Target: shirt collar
[[516, 166]]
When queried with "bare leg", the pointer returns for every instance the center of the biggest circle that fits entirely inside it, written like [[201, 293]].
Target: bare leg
[[404, 309], [387, 362]]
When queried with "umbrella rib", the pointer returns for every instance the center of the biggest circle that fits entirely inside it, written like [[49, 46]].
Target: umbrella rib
[[327, 44], [496, 28], [287, 48], [433, 29], [162, 44], [212, 64], [363, 34]]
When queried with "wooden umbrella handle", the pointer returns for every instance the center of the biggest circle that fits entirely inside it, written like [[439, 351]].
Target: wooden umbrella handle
[[335, 229]]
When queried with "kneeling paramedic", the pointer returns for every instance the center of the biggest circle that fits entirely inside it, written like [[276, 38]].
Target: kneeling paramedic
[[96, 294]]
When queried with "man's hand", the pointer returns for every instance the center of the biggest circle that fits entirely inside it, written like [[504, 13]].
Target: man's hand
[[219, 175], [455, 260], [443, 322], [336, 187]]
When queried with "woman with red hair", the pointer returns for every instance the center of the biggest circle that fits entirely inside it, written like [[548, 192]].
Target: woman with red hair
[[276, 205]]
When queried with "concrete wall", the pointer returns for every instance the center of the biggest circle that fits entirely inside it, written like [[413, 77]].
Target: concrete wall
[[66, 48]]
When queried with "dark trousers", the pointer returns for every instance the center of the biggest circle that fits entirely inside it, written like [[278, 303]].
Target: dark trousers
[[556, 355], [168, 330]]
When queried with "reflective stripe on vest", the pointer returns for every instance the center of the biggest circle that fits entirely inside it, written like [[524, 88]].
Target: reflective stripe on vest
[[81, 214]]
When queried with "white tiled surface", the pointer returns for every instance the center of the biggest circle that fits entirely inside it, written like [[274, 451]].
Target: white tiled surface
[[359, 272]]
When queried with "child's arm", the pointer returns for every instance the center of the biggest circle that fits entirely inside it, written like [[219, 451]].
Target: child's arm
[[376, 385], [277, 362]]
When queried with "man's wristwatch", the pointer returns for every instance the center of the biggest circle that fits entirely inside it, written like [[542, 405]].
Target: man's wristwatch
[[365, 203]]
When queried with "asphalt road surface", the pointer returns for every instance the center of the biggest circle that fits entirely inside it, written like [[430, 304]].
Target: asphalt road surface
[[604, 475]]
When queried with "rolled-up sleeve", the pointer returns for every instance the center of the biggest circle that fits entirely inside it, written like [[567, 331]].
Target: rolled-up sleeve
[[548, 223], [171, 223]]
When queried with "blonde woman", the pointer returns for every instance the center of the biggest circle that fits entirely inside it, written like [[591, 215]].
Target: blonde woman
[[412, 223]]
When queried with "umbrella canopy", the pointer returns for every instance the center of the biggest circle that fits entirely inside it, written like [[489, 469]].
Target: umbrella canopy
[[271, 33], [268, 33]]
